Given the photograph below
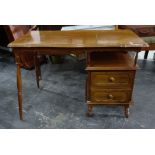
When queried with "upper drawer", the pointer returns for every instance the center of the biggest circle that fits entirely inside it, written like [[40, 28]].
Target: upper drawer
[[108, 79]]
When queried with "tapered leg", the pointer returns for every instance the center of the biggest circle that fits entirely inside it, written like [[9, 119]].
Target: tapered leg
[[38, 66], [90, 108], [136, 58], [126, 111], [37, 70], [146, 54], [19, 87]]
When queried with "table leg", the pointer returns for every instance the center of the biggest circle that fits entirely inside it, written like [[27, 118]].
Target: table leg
[[90, 108], [126, 111], [19, 87], [136, 58], [37, 69]]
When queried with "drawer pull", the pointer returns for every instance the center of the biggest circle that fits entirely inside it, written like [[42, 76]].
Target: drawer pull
[[111, 79], [110, 96]]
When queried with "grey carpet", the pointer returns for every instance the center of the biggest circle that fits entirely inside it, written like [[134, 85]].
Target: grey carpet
[[60, 103]]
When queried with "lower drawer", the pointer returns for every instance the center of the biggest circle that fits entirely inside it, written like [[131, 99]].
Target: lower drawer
[[110, 96]]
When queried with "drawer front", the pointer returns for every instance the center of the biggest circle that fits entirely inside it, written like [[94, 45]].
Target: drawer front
[[111, 96], [112, 80]]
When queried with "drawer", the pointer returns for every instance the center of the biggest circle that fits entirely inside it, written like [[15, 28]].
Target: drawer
[[110, 96], [108, 79]]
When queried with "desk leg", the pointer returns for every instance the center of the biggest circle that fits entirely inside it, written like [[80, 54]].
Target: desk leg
[[90, 108], [126, 111], [136, 58], [37, 69], [19, 87]]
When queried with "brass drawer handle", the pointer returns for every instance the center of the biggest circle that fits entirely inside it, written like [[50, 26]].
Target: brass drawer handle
[[110, 96], [112, 79]]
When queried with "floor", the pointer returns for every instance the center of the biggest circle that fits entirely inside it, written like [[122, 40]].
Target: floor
[[60, 102]]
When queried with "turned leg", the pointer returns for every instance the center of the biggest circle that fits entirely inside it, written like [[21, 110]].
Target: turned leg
[[19, 87], [37, 69], [146, 54], [126, 111], [90, 108]]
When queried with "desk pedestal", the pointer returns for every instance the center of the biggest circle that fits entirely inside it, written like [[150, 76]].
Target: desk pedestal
[[110, 80]]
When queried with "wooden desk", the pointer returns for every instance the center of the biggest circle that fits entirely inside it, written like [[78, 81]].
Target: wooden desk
[[111, 46]]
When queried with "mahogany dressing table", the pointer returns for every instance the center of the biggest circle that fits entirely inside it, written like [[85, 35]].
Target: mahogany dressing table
[[111, 71]]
